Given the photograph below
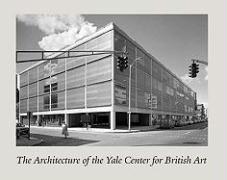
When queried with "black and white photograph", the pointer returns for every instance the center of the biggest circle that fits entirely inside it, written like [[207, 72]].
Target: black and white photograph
[[113, 90], [111, 80]]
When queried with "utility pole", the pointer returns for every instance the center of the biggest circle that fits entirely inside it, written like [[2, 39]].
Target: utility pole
[[129, 94]]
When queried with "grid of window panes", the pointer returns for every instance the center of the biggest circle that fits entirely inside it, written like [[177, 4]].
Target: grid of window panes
[[172, 94], [90, 72], [46, 86], [140, 76], [151, 79]]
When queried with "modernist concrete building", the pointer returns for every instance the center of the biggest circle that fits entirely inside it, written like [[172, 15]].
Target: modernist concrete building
[[64, 89]]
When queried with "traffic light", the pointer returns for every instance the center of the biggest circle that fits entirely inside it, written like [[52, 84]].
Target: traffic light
[[125, 58], [122, 62], [193, 70], [197, 68], [190, 71]]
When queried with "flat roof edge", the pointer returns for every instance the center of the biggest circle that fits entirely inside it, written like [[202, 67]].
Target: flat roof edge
[[110, 26], [99, 32], [149, 54]]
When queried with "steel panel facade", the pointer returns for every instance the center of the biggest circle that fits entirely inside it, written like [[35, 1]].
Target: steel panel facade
[[77, 61], [33, 104], [24, 79], [99, 71], [100, 43], [88, 80], [33, 89], [60, 80], [76, 98], [33, 77], [42, 83], [76, 77], [23, 106], [24, 92], [149, 77], [99, 94], [141, 72], [58, 66]]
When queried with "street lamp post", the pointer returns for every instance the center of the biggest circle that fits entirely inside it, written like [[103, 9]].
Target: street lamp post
[[129, 93], [129, 97]]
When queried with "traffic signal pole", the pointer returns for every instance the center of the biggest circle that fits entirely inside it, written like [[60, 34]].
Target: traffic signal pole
[[201, 62], [129, 99], [129, 93], [44, 57]]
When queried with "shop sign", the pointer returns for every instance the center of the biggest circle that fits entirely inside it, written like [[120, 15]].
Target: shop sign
[[120, 94], [154, 102], [147, 100]]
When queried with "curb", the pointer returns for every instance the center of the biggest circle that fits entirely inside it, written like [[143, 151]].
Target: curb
[[97, 130], [25, 142]]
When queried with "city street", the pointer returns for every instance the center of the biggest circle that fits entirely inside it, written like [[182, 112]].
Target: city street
[[191, 135]]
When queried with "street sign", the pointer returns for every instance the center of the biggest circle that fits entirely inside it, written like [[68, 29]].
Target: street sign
[[154, 102], [147, 100], [120, 94]]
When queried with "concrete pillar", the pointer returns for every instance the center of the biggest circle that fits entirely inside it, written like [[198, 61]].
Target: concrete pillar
[[67, 119], [112, 120], [20, 118], [150, 119], [38, 119]]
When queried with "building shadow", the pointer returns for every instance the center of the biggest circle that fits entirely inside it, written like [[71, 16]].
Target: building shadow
[[61, 141]]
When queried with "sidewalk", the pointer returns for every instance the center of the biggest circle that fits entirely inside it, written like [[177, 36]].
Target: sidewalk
[[102, 130], [24, 141]]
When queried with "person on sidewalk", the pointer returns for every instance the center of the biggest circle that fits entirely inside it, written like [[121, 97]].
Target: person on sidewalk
[[65, 130]]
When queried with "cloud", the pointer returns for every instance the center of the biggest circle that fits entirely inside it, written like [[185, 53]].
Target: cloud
[[60, 30], [60, 40], [186, 79]]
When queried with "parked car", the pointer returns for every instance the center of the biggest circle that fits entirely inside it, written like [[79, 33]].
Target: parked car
[[181, 122], [167, 123], [21, 129]]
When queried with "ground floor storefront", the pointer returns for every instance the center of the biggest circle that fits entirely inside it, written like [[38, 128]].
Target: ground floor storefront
[[93, 120], [107, 120]]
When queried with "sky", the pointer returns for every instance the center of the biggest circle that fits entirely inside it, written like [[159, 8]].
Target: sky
[[173, 39]]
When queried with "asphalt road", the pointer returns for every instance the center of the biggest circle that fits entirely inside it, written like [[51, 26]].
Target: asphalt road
[[191, 135]]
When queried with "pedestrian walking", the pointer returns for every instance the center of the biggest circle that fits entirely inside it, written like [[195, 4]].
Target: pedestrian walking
[[65, 130]]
